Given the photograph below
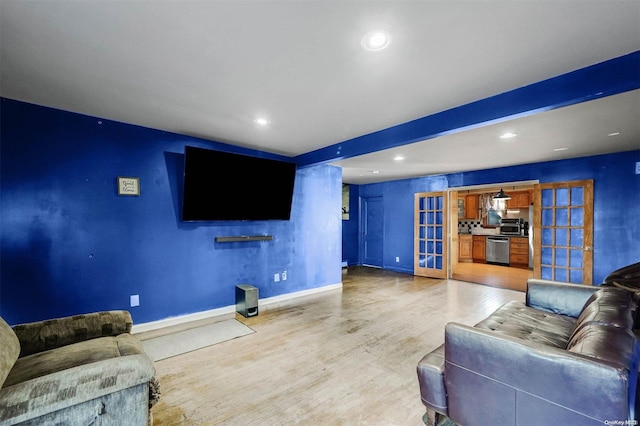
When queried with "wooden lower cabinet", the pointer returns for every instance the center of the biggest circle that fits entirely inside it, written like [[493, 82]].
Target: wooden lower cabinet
[[464, 254], [519, 251], [479, 248]]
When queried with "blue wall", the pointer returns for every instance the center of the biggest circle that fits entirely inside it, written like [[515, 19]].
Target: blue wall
[[70, 244], [616, 205]]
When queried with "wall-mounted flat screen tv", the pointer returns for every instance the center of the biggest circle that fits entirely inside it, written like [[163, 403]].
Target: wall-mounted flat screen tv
[[226, 186]]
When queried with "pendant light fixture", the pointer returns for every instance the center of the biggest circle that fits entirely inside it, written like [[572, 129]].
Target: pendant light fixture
[[502, 195]]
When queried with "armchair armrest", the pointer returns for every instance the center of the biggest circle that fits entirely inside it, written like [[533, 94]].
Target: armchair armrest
[[558, 297], [40, 396], [481, 362], [40, 336]]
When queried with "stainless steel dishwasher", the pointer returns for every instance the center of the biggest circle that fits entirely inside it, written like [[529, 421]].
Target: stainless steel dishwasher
[[497, 250]]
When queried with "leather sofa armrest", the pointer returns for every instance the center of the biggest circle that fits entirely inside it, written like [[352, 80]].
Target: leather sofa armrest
[[584, 385], [431, 379], [40, 336], [558, 297], [40, 396]]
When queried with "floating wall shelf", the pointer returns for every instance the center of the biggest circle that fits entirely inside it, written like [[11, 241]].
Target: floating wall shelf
[[244, 238]]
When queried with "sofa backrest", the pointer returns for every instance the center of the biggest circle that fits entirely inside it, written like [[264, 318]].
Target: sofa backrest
[[609, 306], [604, 330], [53, 333], [560, 298], [9, 350]]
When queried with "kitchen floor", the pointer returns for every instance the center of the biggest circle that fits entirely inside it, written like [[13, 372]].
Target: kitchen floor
[[493, 275]]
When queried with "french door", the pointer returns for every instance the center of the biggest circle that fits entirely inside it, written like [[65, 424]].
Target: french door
[[430, 236], [563, 231]]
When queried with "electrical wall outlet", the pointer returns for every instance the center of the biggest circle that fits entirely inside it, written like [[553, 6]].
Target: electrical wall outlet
[[284, 275], [638, 167], [134, 300], [397, 259], [276, 277]]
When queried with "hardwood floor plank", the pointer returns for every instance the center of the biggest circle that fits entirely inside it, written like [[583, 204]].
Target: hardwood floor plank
[[343, 357], [493, 275]]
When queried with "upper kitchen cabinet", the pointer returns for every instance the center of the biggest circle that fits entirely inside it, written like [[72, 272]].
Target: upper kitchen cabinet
[[519, 200], [472, 206], [460, 210]]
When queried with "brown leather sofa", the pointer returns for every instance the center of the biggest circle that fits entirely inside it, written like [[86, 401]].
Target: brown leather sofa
[[568, 355]]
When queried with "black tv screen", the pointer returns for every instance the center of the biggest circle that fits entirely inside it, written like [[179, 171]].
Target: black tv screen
[[225, 186]]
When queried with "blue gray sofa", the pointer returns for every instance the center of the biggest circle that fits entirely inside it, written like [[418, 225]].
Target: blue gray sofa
[[79, 370], [569, 355]]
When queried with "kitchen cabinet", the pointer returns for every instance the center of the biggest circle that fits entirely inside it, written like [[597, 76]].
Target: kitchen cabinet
[[460, 207], [465, 244], [519, 200], [479, 248], [519, 251], [471, 207]]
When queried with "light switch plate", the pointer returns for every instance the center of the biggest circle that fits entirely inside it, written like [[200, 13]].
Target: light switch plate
[[134, 300], [638, 167]]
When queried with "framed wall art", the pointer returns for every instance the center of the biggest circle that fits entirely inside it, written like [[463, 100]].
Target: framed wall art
[[128, 186]]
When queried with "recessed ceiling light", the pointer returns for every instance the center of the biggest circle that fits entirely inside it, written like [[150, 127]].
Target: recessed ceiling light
[[261, 121], [375, 172], [561, 149], [508, 135], [398, 158], [614, 134], [376, 40]]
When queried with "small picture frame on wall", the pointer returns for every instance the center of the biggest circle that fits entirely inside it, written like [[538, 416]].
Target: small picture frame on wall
[[345, 201], [129, 186]]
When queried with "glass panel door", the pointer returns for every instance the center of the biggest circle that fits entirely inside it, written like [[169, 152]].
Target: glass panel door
[[563, 231], [430, 225]]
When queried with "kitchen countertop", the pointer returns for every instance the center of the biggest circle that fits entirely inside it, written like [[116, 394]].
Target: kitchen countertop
[[489, 233], [506, 236], [485, 231]]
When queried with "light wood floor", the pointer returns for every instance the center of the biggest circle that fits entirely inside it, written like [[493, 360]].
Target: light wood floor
[[338, 358], [493, 275]]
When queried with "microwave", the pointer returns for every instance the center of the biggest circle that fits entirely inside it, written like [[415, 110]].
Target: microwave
[[510, 226]]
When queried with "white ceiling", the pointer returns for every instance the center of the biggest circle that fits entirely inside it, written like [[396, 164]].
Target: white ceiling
[[582, 128], [209, 68]]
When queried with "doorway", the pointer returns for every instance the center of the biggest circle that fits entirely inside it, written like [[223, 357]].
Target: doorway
[[559, 242], [475, 218]]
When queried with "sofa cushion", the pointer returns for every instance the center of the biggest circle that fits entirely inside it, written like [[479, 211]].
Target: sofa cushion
[[515, 319], [605, 302], [81, 353], [9, 350], [606, 342], [608, 306]]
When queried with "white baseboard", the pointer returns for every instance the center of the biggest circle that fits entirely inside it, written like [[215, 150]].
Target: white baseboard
[[168, 322], [278, 300], [274, 301]]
